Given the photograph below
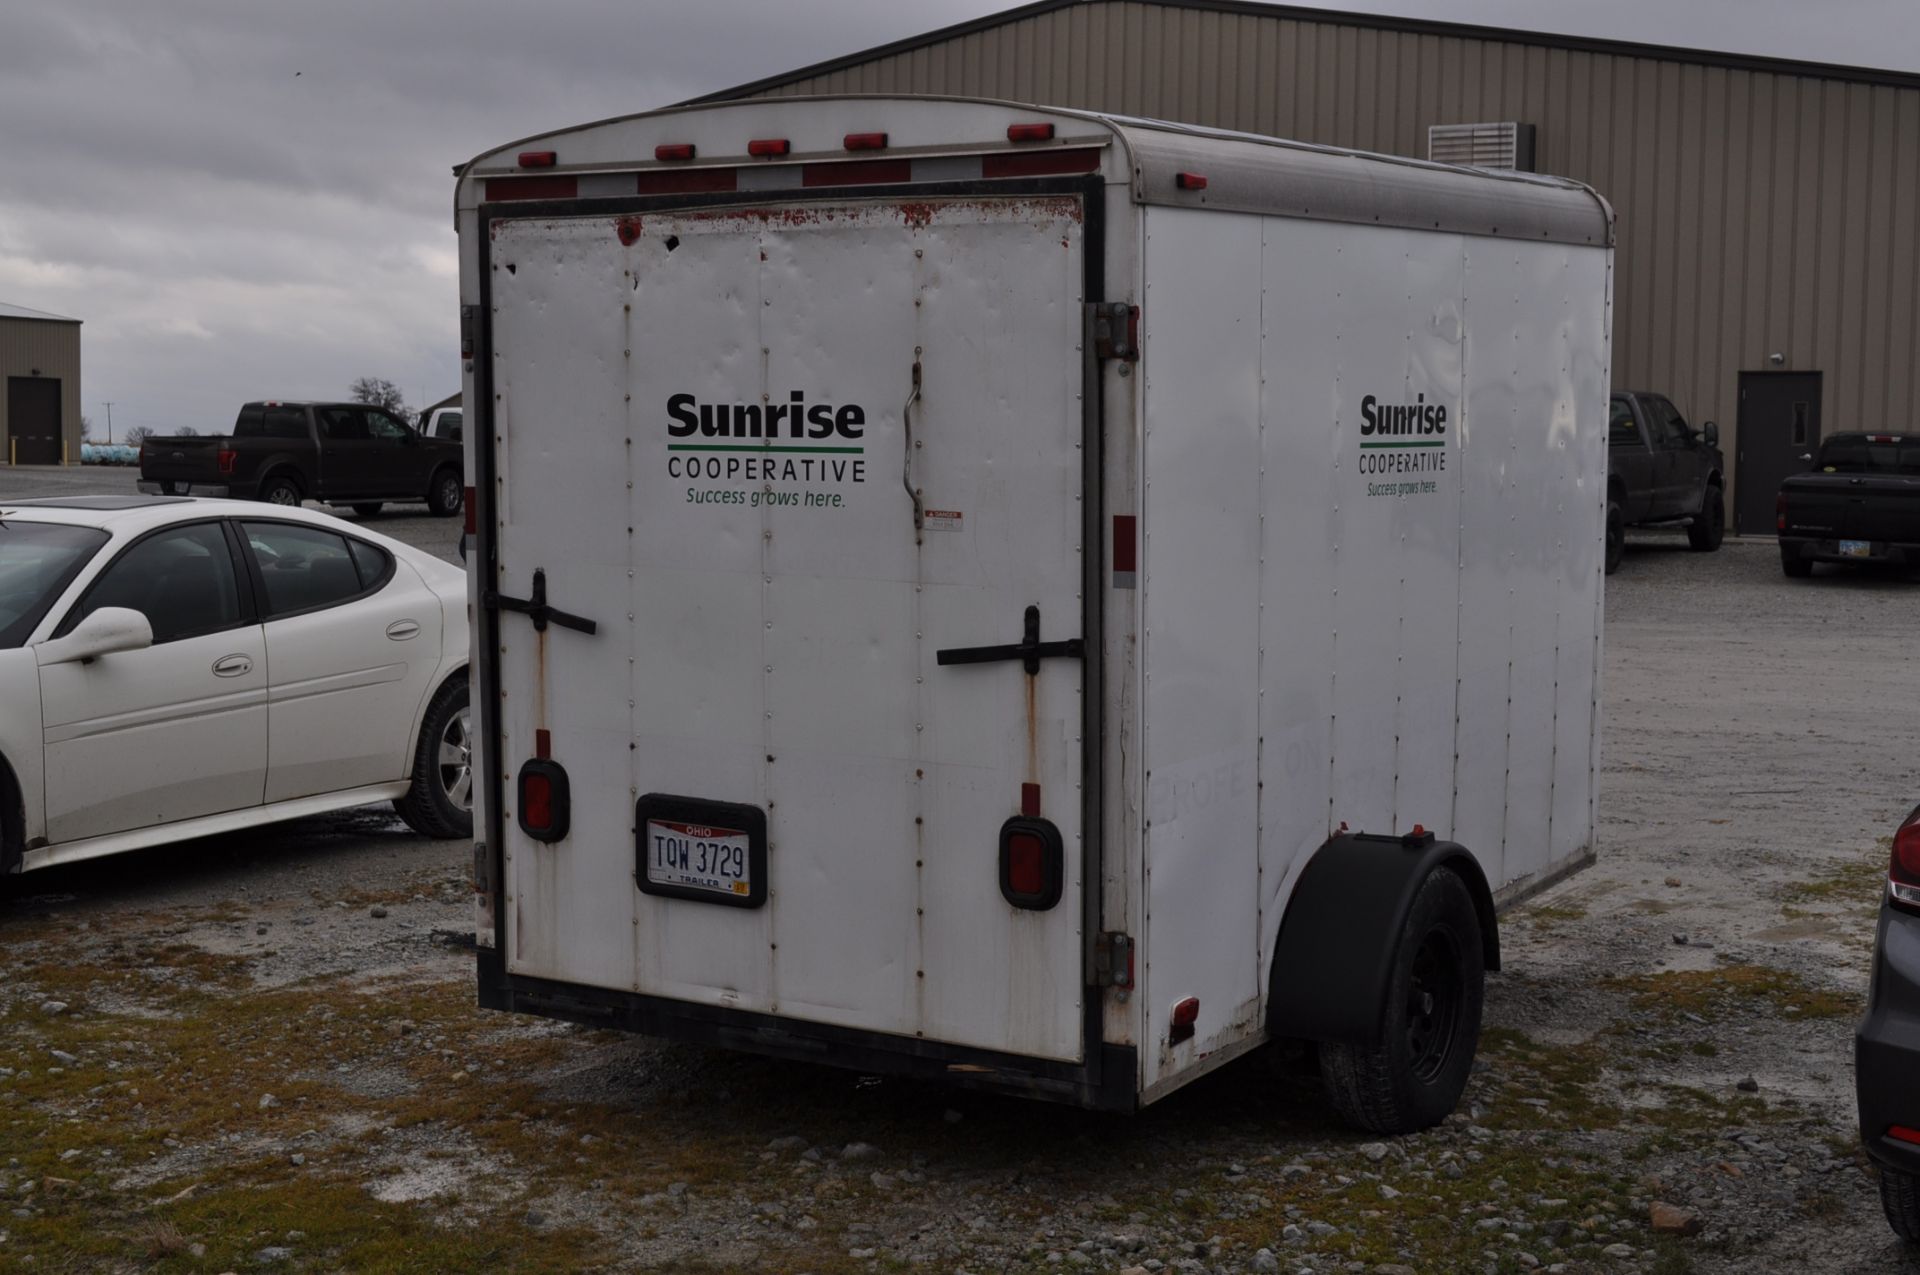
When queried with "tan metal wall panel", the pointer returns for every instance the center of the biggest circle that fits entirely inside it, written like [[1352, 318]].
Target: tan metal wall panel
[[53, 349], [1761, 211]]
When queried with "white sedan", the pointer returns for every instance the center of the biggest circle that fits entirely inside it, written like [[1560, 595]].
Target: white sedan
[[171, 668]]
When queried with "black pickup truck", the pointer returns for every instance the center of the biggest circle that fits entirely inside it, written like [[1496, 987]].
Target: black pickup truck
[[1661, 472], [1860, 503], [283, 453]]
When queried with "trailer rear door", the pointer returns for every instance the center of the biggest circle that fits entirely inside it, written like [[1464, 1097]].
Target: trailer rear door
[[710, 428]]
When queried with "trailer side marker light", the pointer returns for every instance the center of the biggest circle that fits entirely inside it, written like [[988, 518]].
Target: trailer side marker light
[[466, 505], [545, 800], [537, 159], [673, 151], [1418, 839], [1032, 863], [1190, 181], [865, 141], [1029, 132], [768, 147], [1126, 550], [1185, 1014], [1901, 1133]]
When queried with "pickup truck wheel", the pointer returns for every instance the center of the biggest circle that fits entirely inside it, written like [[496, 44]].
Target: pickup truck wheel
[[1900, 1201], [368, 508], [1794, 565], [444, 497], [1616, 535], [1710, 528], [440, 803], [1414, 1077], [280, 490]]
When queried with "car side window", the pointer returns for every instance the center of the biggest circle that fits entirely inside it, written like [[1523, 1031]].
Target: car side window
[[1679, 433], [181, 579], [1622, 429], [303, 568], [448, 426], [286, 422], [343, 424], [384, 428]]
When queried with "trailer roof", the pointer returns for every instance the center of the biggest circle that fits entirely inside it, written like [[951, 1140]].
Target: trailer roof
[[1245, 172]]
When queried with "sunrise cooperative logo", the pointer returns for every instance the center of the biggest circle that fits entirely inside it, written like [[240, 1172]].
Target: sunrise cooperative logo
[[794, 452], [1402, 440]]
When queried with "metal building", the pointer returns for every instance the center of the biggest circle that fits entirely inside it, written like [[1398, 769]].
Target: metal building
[[40, 367], [1767, 277]]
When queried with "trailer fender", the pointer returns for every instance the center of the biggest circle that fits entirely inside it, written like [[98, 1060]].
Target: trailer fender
[[1334, 955]]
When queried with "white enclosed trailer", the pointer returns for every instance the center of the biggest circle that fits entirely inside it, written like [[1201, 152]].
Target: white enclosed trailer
[[1035, 598]]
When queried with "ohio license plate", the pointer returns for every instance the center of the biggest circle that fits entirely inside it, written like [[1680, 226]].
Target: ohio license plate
[[701, 857], [1856, 549]]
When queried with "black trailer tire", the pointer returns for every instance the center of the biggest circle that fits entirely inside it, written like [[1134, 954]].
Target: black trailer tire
[[279, 489], [1616, 535], [444, 494], [1900, 1201], [1414, 1077], [1794, 565], [1710, 528], [440, 802], [368, 508]]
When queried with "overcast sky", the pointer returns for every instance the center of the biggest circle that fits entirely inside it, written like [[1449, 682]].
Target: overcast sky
[[252, 198]]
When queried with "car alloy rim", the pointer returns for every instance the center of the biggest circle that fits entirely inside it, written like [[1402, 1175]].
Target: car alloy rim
[[456, 761], [450, 493], [284, 495]]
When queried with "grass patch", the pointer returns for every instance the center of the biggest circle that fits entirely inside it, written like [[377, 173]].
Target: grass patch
[[1731, 991], [1859, 879]]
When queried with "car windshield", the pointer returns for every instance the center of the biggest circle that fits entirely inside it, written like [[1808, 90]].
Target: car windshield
[[1871, 454], [37, 561]]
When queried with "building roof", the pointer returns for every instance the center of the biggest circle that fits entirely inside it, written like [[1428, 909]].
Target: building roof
[[1375, 21], [21, 312]]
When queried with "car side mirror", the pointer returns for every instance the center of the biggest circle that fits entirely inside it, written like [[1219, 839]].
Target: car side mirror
[[1712, 433], [106, 631]]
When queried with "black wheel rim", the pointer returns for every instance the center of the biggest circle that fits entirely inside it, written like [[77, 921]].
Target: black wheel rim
[[1436, 993]]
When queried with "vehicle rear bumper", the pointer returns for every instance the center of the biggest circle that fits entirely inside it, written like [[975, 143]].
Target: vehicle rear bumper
[[1108, 1081], [1886, 1045], [1819, 549], [154, 487]]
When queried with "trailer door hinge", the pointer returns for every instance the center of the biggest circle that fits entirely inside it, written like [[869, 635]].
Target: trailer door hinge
[[1113, 960], [469, 321], [1116, 330]]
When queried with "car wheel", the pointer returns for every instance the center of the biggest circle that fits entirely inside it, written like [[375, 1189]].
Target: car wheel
[[367, 508], [1900, 1201], [440, 802], [280, 490], [1710, 528], [444, 496], [1795, 565], [1414, 1077], [1616, 535]]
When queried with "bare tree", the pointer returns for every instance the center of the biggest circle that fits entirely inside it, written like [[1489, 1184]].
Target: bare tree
[[136, 435], [381, 393], [86, 428]]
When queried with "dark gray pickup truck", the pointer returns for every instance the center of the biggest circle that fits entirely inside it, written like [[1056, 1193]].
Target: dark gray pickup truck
[[1661, 472], [283, 453], [1860, 503]]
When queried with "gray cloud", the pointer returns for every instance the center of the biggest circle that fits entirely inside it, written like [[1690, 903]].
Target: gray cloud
[[248, 198]]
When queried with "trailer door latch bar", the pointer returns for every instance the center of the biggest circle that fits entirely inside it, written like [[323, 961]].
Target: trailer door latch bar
[[536, 608], [1030, 650]]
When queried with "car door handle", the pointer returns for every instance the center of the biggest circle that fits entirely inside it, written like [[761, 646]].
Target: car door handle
[[401, 630], [232, 666]]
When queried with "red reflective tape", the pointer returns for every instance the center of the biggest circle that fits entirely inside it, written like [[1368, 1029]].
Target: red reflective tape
[[863, 172], [1030, 800], [499, 188], [1126, 545], [1040, 163], [691, 181], [543, 745]]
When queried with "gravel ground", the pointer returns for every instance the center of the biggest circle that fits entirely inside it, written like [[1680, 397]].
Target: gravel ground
[[258, 1051]]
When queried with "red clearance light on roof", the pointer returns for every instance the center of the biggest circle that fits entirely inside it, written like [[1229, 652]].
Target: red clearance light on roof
[[767, 147], [537, 159], [865, 141], [1029, 132], [675, 150], [1190, 181]]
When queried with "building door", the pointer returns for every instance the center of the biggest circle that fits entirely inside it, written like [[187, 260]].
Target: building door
[[33, 420], [1779, 434]]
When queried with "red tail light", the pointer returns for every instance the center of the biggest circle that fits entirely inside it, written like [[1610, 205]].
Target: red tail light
[[466, 504], [536, 802], [227, 458], [1903, 872], [546, 800], [1029, 132], [1901, 1133], [1026, 863], [1032, 863], [768, 147]]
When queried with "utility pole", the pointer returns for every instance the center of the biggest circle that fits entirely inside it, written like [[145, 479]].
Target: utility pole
[[109, 424]]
